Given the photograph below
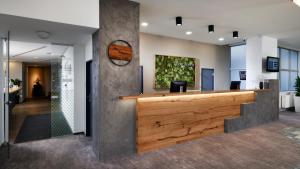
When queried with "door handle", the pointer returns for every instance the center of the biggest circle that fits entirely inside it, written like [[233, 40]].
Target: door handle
[[8, 102]]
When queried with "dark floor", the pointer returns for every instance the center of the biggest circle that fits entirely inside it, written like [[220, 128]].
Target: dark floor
[[271, 146], [30, 107]]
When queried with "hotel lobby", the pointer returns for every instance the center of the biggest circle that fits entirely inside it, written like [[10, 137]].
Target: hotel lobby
[[164, 84]]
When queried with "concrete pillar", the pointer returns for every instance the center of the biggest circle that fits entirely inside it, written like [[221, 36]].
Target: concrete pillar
[[113, 119]]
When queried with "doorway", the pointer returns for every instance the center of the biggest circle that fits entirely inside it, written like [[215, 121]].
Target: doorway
[[64, 48], [89, 99], [43, 77], [207, 79]]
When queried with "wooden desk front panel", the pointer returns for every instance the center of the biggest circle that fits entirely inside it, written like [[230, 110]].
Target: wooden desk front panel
[[165, 121]]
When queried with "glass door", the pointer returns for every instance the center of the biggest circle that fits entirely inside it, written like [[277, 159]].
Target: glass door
[[5, 100]]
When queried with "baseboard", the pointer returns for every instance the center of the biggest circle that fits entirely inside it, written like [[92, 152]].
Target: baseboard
[[79, 133]]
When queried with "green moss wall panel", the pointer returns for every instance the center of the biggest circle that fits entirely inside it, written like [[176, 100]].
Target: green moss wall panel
[[170, 68]]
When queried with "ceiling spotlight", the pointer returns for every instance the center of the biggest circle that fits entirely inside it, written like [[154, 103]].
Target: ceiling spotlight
[[144, 24], [297, 2], [188, 32], [43, 34], [178, 21], [221, 39], [211, 28], [235, 34]]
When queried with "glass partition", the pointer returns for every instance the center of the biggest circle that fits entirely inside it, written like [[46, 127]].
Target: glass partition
[[62, 93]]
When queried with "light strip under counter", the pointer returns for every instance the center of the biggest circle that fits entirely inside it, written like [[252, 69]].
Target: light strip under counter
[[193, 96], [165, 94]]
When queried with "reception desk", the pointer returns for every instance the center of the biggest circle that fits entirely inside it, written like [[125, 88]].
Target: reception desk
[[165, 119]]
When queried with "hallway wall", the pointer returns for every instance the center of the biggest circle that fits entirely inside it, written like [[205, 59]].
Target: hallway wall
[[15, 70], [207, 55], [42, 73]]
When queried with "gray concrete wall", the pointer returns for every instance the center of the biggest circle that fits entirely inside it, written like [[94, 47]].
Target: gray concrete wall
[[114, 120], [265, 109], [95, 94]]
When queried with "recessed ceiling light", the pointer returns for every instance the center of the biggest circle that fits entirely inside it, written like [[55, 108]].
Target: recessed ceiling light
[[144, 24], [221, 39], [188, 32]]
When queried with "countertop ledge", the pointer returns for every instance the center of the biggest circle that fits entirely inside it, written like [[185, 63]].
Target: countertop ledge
[[164, 94]]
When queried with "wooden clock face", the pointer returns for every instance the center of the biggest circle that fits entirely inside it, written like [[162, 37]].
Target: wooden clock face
[[120, 52]]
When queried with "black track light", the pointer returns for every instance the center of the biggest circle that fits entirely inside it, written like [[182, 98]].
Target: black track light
[[235, 34], [178, 21], [211, 28]]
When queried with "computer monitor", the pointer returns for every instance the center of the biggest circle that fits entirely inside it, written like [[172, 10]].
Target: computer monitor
[[235, 85], [176, 85]]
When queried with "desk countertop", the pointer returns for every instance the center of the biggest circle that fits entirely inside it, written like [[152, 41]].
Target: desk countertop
[[13, 89], [164, 94]]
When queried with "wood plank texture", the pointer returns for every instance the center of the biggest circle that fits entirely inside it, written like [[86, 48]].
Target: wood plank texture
[[120, 52], [165, 121]]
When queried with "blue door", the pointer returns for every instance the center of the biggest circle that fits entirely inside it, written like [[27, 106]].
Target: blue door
[[207, 79]]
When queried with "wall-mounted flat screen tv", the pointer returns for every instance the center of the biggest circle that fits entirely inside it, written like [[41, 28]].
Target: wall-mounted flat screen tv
[[272, 64]]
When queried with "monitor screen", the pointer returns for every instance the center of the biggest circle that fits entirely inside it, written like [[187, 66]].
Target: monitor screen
[[272, 64], [235, 85], [178, 86]]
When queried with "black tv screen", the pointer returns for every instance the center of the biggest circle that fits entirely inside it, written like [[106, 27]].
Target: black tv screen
[[272, 64]]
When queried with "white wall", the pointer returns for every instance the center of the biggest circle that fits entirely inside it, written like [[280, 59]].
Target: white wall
[[89, 49], [269, 48], [210, 56], [253, 62], [76, 12], [257, 50], [238, 63], [79, 89], [15, 70]]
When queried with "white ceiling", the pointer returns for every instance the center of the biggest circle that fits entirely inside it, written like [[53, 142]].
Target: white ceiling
[[26, 46], [35, 52], [24, 30], [275, 18]]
